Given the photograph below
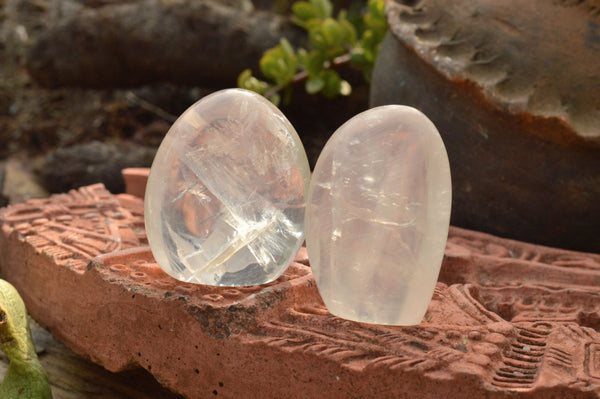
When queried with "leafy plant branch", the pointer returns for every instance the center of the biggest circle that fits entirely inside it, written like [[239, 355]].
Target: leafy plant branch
[[334, 42]]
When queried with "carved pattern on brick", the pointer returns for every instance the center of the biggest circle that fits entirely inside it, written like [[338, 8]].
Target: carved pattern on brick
[[76, 227], [523, 251]]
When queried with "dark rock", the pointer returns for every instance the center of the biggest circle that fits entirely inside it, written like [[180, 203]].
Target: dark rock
[[186, 42], [520, 119], [94, 162]]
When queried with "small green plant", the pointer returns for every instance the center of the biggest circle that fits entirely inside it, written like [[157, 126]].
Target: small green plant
[[333, 42]]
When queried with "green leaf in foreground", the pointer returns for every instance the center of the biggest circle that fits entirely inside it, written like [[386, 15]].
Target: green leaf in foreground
[[25, 377]]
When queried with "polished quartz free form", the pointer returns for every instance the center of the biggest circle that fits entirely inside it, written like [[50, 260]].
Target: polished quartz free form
[[378, 214], [225, 200]]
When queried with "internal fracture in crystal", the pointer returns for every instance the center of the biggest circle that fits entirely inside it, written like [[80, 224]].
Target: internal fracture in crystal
[[225, 199], [378, 216]]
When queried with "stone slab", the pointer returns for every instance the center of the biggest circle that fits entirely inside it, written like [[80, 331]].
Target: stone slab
[[506, 317]]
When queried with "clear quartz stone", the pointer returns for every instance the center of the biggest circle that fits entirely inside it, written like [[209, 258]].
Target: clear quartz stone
[[378, 214], [225, 200]]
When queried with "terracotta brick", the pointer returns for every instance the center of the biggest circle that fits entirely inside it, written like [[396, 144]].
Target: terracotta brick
[[506, 317]]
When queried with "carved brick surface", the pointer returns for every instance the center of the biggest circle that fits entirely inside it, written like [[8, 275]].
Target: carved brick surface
[[505, 317]]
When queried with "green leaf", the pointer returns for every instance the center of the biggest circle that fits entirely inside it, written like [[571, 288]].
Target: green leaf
[[332, 32], [312, 24], [332, 84], [357, 55], [287, 48], [317, 39], [375, 19], [369, 45], [302, 57], [314, 85], [243, 78], [377, 8], [324, 8], [25, 377], [348, 29], [303, 10], [275, 99], [271, 66], [313, 62], [328, 38], [279, 63], [249, 82]]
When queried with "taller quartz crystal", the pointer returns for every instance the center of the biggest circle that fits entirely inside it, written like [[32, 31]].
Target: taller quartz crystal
[[225, 200], [378, 216]]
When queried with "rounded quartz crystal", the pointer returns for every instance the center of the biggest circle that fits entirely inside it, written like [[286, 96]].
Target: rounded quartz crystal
[[378, 214], [225, 200]]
